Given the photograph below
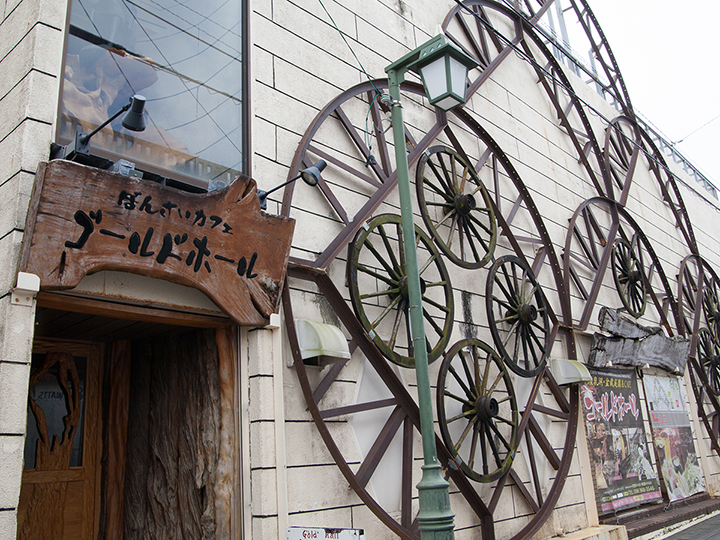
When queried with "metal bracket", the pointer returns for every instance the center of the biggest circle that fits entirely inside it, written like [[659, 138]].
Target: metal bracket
[[23, 294]]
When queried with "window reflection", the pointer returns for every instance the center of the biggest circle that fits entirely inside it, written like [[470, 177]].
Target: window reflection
[[184, 57]]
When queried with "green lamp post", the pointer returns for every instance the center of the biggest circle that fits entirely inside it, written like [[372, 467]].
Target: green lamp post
[[443, 68]]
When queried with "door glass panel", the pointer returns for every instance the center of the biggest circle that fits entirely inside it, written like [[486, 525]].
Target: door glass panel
[[58, 394]]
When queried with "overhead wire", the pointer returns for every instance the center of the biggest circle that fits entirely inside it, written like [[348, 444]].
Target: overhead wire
[[698, 129], [378, 93]]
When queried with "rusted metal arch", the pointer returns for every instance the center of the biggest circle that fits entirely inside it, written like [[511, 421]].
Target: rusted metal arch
[[670, 191], [691, 291], [548, 70], [596, 247], [384, 177], [407, 416], [622, 154], [614, 85], [316, 272]]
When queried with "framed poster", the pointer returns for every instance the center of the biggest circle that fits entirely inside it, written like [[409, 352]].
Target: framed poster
[[622, 472], [677, 459]]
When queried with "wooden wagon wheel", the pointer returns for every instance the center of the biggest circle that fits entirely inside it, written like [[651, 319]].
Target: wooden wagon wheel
[[628, 271], [379, 292], [518, 316], [696, 288], [711, 306], [456, 207], [708, 352], [477, 410], [596, 228], [328, 221]]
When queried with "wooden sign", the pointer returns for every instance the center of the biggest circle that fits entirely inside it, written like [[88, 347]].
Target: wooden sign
[[83, 220]]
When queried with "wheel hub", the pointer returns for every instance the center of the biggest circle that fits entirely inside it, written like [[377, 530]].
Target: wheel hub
[[527, 313], [487, 408], [403, 286], [464, 204]]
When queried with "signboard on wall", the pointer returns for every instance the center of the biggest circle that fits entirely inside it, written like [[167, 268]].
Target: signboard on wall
[[83, 220], [319, 533], [672, 437], [622, 471]]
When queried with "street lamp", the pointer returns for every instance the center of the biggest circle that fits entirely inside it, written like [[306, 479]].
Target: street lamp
[[134, 120], [311, 176], [443, 68]]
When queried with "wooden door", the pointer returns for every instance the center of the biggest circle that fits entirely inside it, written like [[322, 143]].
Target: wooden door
[[60, 479]]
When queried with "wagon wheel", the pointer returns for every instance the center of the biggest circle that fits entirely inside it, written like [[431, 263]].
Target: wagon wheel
[[627, 271], [327, 221], [708, 352], [622, 150], [456, 207], [597, 226], [696, 287], [488, 31], [711, 306], [379, 292], [477, 410], [518, 316]]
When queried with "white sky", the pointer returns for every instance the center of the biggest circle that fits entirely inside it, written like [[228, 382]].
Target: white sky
[[667, 52]]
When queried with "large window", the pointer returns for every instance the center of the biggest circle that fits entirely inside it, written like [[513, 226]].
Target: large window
[[186, 58]]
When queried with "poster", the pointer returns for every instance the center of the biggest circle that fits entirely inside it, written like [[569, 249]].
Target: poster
[[670, 423], [622, 471]]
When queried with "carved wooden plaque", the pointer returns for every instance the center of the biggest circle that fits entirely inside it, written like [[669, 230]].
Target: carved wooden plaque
[[83, 220]]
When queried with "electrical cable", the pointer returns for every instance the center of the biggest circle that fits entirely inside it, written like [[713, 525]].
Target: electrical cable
[[362, 68], [698, 129]]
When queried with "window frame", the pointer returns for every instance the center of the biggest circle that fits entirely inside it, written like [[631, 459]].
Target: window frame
[[167, 176]]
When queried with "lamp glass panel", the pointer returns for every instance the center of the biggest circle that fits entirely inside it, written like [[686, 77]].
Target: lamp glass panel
[[434, 78], [458, 76], [447, 103], [192, 82]]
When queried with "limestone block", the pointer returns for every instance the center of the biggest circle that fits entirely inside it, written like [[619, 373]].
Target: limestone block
[[265, 528], [312, 18], [286, 140], [465, 516], [34, 97], [9, 253], [329, 489], [24, 148], [336, 518], [27, 49], [8, 523], [295, 405], [510, 527], [260, 353], [306, 447], [263, 69], [16, 333], [572, 493], [265, 142], [262, 444], [294, 80], [13, 397], [264, 492], [275, 106], [11, 466], [15, 194], [262, 401]]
